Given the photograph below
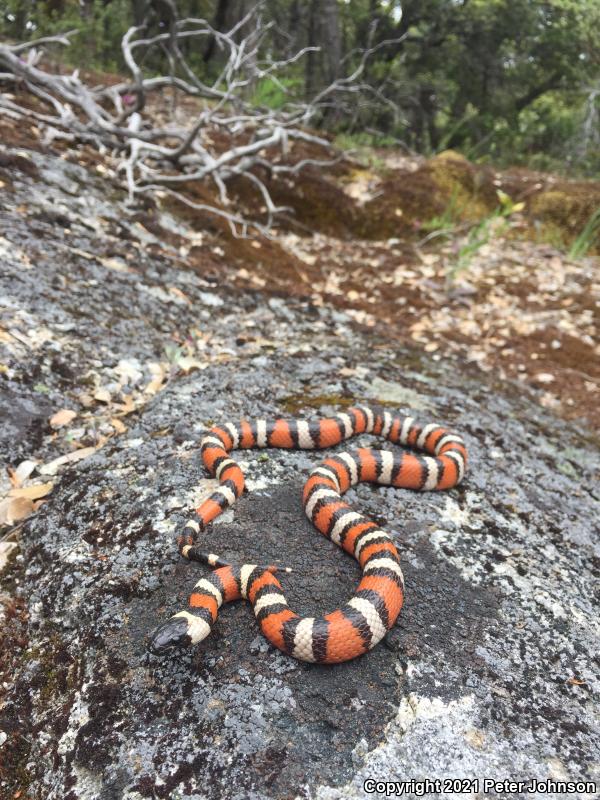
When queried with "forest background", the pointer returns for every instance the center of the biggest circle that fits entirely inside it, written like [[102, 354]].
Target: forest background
[[511, 83]]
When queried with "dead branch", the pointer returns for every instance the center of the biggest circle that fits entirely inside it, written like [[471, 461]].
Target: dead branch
[[124, 121]]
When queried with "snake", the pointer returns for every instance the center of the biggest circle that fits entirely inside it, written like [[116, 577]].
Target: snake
[[358, 625]]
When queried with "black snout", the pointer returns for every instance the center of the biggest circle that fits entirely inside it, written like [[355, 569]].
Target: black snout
[[172, 634]]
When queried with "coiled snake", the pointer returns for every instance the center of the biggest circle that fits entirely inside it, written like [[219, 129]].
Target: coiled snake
[[362, 622]]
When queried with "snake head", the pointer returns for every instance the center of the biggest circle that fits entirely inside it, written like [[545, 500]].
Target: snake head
[[173, 633]]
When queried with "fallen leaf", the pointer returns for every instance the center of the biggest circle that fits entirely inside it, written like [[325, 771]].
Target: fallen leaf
[[115, 264], [32, 492], [12, 477], [127, 407], [6, 549], [178, 293], [102, 395], [82, 253], [62, 417], [157, 381], [118, 425], [128, 371], [22, 472], [77, 455], [475, 738], [362, 317], [187, 364], [548, 400], [220, 358], [13, 509]]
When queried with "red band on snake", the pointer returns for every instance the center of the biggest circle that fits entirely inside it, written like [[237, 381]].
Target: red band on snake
[[363, 621]]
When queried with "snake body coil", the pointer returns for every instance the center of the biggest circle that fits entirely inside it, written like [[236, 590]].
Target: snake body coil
[[358, 625]]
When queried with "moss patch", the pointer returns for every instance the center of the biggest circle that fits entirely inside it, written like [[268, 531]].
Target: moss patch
[[471, 187], [562, 212], [298, 402], [409, 199]]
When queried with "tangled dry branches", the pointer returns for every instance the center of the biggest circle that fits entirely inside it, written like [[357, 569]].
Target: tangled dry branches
[[122, 119]]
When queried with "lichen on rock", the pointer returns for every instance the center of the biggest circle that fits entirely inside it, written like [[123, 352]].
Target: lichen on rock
[[490, 668]]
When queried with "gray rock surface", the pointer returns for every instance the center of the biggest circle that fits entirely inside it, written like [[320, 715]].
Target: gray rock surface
[[492, 669]]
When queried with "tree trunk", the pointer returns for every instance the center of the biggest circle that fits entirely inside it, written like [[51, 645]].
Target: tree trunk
[[551, 82], [86, 11], [294, 28], [21, 15], [219, 25], [331, 40], [427, 102], [312, 40], [139, 9]]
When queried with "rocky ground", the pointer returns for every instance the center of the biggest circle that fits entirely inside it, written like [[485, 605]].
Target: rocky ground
[[125, 333]]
